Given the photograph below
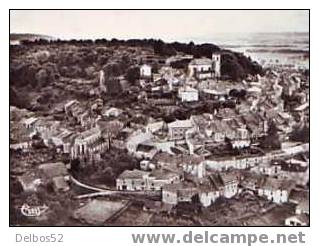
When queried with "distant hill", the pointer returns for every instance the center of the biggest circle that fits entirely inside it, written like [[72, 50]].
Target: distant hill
[[17, 37]]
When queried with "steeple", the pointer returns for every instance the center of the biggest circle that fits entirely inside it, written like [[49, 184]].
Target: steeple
[[216, 57], [102, 81]]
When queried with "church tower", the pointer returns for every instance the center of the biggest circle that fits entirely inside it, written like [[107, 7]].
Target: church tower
[[102, 81], [216, 65]]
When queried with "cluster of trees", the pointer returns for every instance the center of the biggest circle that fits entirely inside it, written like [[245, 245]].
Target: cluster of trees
[[41, 62], [39, 67], [234, 65], [240, 94], [271, 141], [114, 163], [237, 66], [301, 134], [132, 74]]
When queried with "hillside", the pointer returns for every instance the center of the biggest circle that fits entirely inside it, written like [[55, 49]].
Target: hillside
[[41, 62]]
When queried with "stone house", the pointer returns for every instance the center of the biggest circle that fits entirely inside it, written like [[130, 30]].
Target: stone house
[[138, 180], [178, 128], [188, 94], [276, 190], [180, 192]]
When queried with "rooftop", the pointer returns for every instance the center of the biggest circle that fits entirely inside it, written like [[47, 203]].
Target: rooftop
[[145, 148], [201, 61], [178, 187], [89, 133], [187, 89], [278, 184], [180, 124], [299, 195], [133, 174], [163, 174], [228, 178], [30, 120]]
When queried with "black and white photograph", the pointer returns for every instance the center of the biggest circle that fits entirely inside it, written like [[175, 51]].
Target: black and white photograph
[[159, 118]]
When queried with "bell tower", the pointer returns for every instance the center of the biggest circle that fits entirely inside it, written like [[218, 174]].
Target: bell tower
[[102, 81], [216, 65]]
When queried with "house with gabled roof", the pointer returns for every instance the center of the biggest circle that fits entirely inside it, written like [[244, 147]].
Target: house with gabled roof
[[276, 190]]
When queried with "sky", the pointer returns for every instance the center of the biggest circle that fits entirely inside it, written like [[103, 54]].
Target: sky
[[168, 25]]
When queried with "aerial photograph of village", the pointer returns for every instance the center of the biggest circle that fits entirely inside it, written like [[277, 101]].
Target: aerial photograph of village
[[159, 118]]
